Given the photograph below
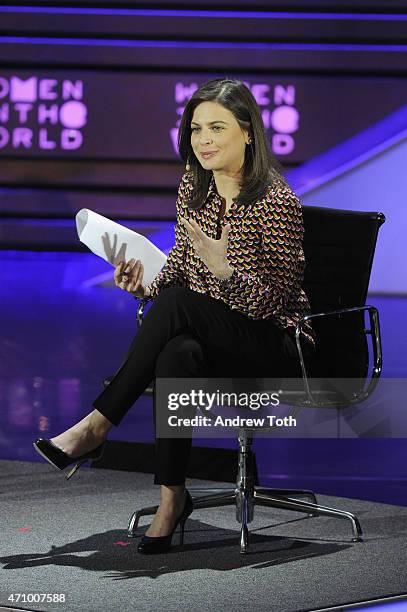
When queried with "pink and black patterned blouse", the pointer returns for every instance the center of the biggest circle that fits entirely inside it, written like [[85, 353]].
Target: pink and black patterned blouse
[[264, 248]]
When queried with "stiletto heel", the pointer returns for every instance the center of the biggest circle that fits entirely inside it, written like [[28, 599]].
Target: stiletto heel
[[181, 532], [76, 467], [59, 459], [150, 545]]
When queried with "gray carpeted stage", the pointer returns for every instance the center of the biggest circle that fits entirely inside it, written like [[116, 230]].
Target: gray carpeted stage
[[70, 537]]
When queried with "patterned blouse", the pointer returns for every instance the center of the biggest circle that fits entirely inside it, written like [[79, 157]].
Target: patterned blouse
[[264, 248]]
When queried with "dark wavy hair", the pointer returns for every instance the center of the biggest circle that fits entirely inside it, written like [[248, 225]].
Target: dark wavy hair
[[260, 167]]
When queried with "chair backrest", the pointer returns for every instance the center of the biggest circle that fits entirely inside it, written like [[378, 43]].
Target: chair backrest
[[339, 246]]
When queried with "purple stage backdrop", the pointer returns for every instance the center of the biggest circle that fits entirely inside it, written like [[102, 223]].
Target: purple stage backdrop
[[73, 113]]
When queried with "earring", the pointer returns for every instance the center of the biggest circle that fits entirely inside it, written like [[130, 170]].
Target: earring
[[187, 166]]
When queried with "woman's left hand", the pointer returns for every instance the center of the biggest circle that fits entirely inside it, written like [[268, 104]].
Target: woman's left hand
[[212, 252]]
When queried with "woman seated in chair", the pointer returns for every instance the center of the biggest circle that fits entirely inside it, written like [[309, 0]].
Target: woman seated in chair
[[228, 298]]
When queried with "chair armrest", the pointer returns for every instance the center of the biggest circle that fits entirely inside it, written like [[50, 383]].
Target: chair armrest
[[374, 331]]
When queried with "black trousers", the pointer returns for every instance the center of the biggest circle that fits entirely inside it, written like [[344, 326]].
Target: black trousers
[[188, 334]]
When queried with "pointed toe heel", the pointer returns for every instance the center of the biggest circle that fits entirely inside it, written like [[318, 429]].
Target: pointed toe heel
[[152, 545], [59, 459]]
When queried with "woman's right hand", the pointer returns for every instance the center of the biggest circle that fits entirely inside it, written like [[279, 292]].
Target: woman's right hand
[[129, 276]]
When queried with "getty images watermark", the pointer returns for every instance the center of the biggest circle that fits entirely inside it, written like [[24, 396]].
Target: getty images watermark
[[215, 407], [200, 399]]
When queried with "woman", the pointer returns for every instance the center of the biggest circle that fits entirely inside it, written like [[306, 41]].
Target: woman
[[228, 298]]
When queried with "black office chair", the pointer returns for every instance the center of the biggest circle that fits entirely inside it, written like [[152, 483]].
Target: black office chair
[[339, 248]]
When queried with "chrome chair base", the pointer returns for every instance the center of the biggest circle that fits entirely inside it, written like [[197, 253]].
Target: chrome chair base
[[245, 496]]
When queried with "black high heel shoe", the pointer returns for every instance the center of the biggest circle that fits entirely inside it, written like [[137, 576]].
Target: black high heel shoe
[[150, 545], [57, 457]]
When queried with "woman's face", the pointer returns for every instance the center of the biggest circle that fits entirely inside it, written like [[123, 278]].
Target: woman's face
[[214, 129]]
